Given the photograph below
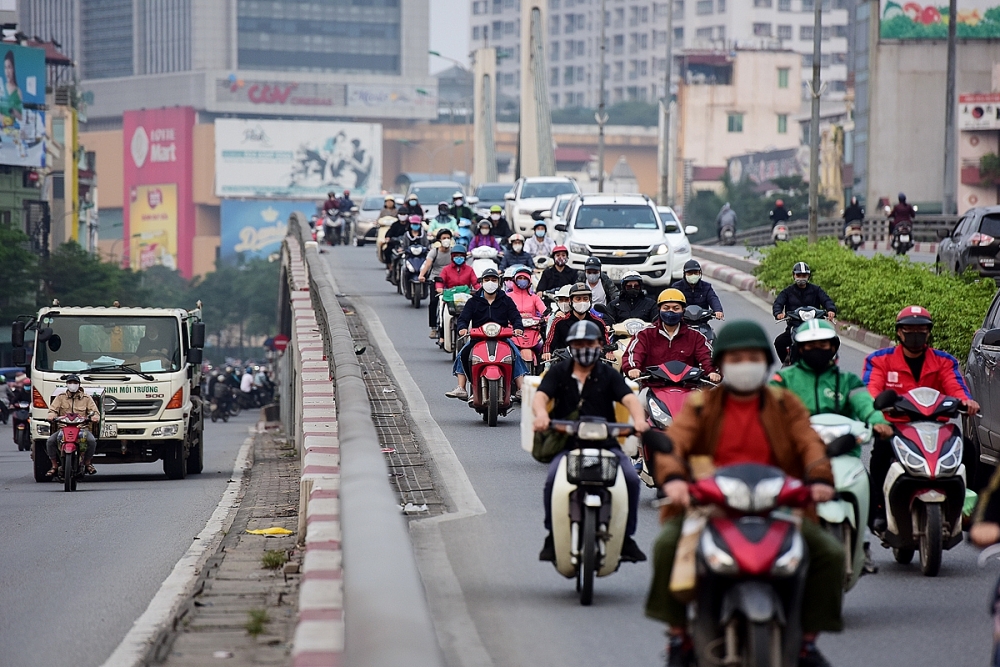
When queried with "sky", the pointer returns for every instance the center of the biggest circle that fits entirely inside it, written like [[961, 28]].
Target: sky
[[449, 32]]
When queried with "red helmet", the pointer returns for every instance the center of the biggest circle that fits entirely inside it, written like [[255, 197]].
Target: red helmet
[[560, 248], [914, 315], [779, 203]]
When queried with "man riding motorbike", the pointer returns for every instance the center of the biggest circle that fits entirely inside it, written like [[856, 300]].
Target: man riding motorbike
[[853, 213], [73, 401], [540, 244], [19, 392], [558, 274], [632, 300], [580, 309], [516, 255], [489, 304], [437, 260], [345, 204], [744, 421], [331, 203], [583, 386], [779, 214], [459, 209], [603, 289], [443, 220], [727, 216], [696, 290], [501, 228], [799, 294], [913, 363], [669, 340], [901, 212]]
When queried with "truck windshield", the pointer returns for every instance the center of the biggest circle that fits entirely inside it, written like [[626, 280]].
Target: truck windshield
[[616, 216], [82, 343]]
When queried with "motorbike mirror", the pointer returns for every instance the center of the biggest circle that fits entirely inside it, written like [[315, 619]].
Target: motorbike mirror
[[886, 399], [198, 334], [44, 334], [194, 356], [992, 338], [17, 334], [841, 446], [658, 441]]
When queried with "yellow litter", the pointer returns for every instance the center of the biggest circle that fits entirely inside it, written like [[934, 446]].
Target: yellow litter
[[273, 530]]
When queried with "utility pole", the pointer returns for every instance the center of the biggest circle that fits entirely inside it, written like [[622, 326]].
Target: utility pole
[[600, 116], [665, 140], [814, 90], [948, 204]]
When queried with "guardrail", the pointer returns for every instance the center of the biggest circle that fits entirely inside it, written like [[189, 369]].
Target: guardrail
[[386, 619], [925, 229]]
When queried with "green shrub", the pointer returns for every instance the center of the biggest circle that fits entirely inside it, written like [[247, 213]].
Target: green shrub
[[871, 291]]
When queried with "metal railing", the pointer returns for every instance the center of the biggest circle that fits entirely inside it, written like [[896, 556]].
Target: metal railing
[[925, 230]]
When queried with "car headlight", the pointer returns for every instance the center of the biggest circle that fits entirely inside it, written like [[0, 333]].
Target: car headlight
[[578, 248], [716, 558], [949, 463], [788, 563], [914, 463], [661, 249]]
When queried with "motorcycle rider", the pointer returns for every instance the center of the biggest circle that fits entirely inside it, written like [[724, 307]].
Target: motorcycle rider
[[779, 214], [744, 421], [438, 258], [489, 304], [901, 212], [697, 291], [727, 216], [632, 300], [388, 207], [853, 213], [913, 363], [414, 233], [459, 209], [501, 228], [588, 388], [73, 401], [558, 274], [603, 289], [345, 205], [799, 294], [413, 205], [670, 339], [443, 220], [580, 309], [458, 273], [485, 237], [540, 244], [331, 203], [393, 235], [516, 255], [528, 303], [19, 392]]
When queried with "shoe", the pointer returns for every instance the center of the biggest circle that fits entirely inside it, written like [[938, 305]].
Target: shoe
[[548, 552], [90, 469], [516, 398], [680, 652], [433, 334], [458, 392], [879, 522], [811, 657], [631, 553], [869, 567]]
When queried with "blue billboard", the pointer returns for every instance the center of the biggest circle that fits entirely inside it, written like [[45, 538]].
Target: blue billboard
[[22, 98], [255, 227]]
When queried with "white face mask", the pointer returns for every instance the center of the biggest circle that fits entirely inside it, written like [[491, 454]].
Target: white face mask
[[516, 247], [564, 306], [581, 306], [693, 278], [73, 388], [445, 243], [494, 216], [592, 278], [491, 286], [745, 377]]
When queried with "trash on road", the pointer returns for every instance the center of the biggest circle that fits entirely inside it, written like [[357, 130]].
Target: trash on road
[[410, 507], [273, 531]]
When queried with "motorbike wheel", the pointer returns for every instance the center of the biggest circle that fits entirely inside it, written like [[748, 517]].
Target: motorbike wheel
[[588, 556], [23, 441], [843, 533], [931, 544], [763, 645], [903, 556], [69, 473], [234, 408], [416, 295], [492, 402], [215, 415]]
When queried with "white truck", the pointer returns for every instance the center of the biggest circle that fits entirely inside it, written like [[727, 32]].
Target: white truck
[[143, 368]]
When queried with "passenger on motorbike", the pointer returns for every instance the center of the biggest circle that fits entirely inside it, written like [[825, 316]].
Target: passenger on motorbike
[[464, 231], [744, 421], [779, 214], [540, 244], [443, 220], [78, 402], [581, 309], [459, 209], [438, 258], [583, 387], [799, 294], [632, 300], [901, 212], [388, 207], [489, 304], [516, 255], [670, 339], [528, 303], [558, 274], [19, 392], [458, 273], [697, 291], [913, 363], [603, 289], [501, 228], [485, 237]]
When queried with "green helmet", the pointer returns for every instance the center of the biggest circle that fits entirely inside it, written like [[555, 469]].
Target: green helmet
[[496, 209], [742, 335], [815, 330]]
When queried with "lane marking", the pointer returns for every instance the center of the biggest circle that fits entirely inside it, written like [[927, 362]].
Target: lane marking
[[176, 588]]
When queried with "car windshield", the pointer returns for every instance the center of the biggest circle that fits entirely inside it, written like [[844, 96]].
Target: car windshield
[[80, 343], [615, 216], [492, 192], [372, 204], [990, 225], [431, 195], [532, 190]]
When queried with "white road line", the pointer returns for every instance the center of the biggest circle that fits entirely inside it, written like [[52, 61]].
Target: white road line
[[176, 588]]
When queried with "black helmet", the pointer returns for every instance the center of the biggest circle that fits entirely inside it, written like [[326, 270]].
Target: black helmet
[[490, 273], [331, 193], [583, 330], [801, 267], [578, 289], [902, 197], [692, 265], [441, 232], [73, 377], [592, 263]]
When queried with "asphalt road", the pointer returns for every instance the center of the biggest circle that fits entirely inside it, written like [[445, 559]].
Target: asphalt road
[[527, 614], [742, 251], [76, 570]]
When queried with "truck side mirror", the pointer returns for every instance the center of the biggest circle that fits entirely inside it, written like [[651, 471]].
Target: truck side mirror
[[19, 356], [17, 334], [198, 335], [194, 356]]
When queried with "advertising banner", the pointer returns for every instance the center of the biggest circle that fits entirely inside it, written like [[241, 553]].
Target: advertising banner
[[979, 111], [296, 159], [153, 214], [762, 167], [255, 228], [22, 138], [977, 19]]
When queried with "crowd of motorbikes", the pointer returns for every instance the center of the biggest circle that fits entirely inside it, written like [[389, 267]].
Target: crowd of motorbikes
[[230, 390]]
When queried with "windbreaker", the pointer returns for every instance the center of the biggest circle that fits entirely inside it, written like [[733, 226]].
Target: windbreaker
[[833, 391]]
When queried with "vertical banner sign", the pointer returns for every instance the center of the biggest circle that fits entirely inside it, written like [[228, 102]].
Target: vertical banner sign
[[22, 98], [159, 212]]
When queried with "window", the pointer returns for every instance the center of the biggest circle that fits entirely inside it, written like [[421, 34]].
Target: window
[[678, 37], [619, 18], [762, 29], [678, 9], [782, 123], [554, 76], [703, 33], [508, 28], [704, 7], [784, 5], [579, 74], [808, 5], [644, 15], [553, 26], [497, 29], [783, 72], [807, 60], [475, 34], [720, 33], [839, 58], [633, 16], [784, 32], [554, 51], [840, 30], [722, 7], [568, 75], [553, 4], [806, 32], [827, 32], [619, 45], [761, 3], [643, 41], [734, 123]]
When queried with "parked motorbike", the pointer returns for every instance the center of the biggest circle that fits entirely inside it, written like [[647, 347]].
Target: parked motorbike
[[854, 238], [698, 318], [925, 487], [727, 234], [492, 370], [589, 504], [902, 238], [21, 415], [484, 257], [779, 233], [450, 306], [413, 259], [70, 460]]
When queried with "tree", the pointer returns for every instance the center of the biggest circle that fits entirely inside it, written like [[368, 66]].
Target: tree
[[78, 278], [17, 296]]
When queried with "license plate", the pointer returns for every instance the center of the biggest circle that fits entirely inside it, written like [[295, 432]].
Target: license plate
[[905, 238], [109, 431]]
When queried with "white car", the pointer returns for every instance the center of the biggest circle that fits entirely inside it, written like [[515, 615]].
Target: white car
[[627, 234], [676, 235], [533, 194]]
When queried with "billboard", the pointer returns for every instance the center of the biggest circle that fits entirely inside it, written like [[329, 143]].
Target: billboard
[[762, 167], [152, 210], [296, 159], [977, 19], [979, 111], [255, 228], [22, 95]]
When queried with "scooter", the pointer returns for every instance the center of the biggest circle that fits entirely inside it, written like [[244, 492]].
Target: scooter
[[624, 332], [698, 318], [492, 370], [409, 278], [484, 257], [845, 517], [925, 487], [779, 233], [530, 343], [854, 238], [589, 504], [384, 223], [333, 227], [450, 306], [793, 320], [21, 415], [727, 234], [902, 238], [70, 460]]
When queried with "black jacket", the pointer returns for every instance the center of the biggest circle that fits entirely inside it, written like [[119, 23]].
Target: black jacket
[[779, 215], [793, 297], [643, 307], [478, 311], [700, 294], [501, 229], [854, 212], [610, 289], [511, 258], [552, 279]]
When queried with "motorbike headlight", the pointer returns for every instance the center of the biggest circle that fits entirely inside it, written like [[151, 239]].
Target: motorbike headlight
[[659, 415], [475, 359], [716, 558], [736, 491], [914, 463], [491, 329], [578, 248], [952, 458], [661, 249], [765, 493], [788, 563]]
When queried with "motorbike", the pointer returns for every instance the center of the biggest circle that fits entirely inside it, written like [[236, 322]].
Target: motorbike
[[902, 237], [384, 223], [845, 517], [21, 415], [854, 238], [624, 332], [484, 257], [727, 234], [925, 488], [219, 411], [333, 227], [450, 306], [409, 278], [350, 220], [698, 318], [589, 505], [793, 320], [492, 370], [779, 233], [531, 342], [70, 461]]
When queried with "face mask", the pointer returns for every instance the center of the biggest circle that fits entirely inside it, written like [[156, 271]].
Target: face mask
[[561, 261], [915, 341], [818, 360], [592, 278], [458, 202], [564, 306], [484, 231], [745, 377], [459, 261], [540, 233], [585, 356], [415, 226], [494, 216], [442, 212], [446, 243], [490, 286], [633, 292], [516, 247], [670, 318], [73, 387], [413, 203], [693, 279], [581, 306], [801, 282], [403, 217], [522, 283]]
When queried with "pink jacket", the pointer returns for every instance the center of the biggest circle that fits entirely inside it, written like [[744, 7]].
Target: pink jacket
[[527, 302]]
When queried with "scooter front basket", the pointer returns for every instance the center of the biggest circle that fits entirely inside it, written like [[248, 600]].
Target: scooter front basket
[[591, 467]]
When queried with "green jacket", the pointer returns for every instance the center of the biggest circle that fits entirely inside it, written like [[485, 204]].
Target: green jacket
[[832, 391]]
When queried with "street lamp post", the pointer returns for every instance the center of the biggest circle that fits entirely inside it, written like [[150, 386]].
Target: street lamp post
[[600, 116], [815, 91], [665, 147]]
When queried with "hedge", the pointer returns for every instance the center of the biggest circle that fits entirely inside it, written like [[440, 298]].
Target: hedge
[[871, 291]]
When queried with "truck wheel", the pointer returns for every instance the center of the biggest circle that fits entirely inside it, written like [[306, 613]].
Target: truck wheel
[[174, 465], [196, 452], [41, 461]]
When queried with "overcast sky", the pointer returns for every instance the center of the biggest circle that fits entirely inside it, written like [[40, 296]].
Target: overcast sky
[[449, 32]]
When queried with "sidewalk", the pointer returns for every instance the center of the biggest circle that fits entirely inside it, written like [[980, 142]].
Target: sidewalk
[[242, 612]]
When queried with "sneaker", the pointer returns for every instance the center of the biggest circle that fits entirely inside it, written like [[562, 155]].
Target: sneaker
[[433, 333], [458, 392], [811, 657], [869, 567], [548, 552], [680, 652], [879, 522], [631, 553]]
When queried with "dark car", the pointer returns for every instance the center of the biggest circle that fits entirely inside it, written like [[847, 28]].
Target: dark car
[[974, 242], [983, 377]]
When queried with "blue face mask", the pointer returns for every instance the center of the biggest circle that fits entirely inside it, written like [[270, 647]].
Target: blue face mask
[[522, 283], [670, 318], [459, 261], [415, 227], [540, 233]]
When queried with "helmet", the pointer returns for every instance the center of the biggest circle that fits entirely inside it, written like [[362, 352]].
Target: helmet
[[484, 223], [331, 193], [490, 273], [521, 268], [458, 195], [779, 203], [801, 267], [73, 377], [583, 330], [558, 249], [496, 209], [563, 292], [630, 276], [442, 231], [914, 315], [579, 289], [671, 295], [508, 273], [442, 203], [347, 192], [692, 265], [390, 198], [515, 237], [592, 263], [816, 330], [459, 249], [742, 335], [902, 197], [415, 219], [539, 223]]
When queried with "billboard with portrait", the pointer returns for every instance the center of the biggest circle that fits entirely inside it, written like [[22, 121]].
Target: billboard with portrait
[[153, 226], [255, 227], [22, 98], [977, 19], [296, 159]]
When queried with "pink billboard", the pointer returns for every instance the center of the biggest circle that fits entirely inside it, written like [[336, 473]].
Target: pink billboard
[[158, 159]]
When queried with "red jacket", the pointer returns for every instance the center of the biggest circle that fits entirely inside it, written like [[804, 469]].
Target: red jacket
[[453, 276], [651, 347], [887, 369]]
